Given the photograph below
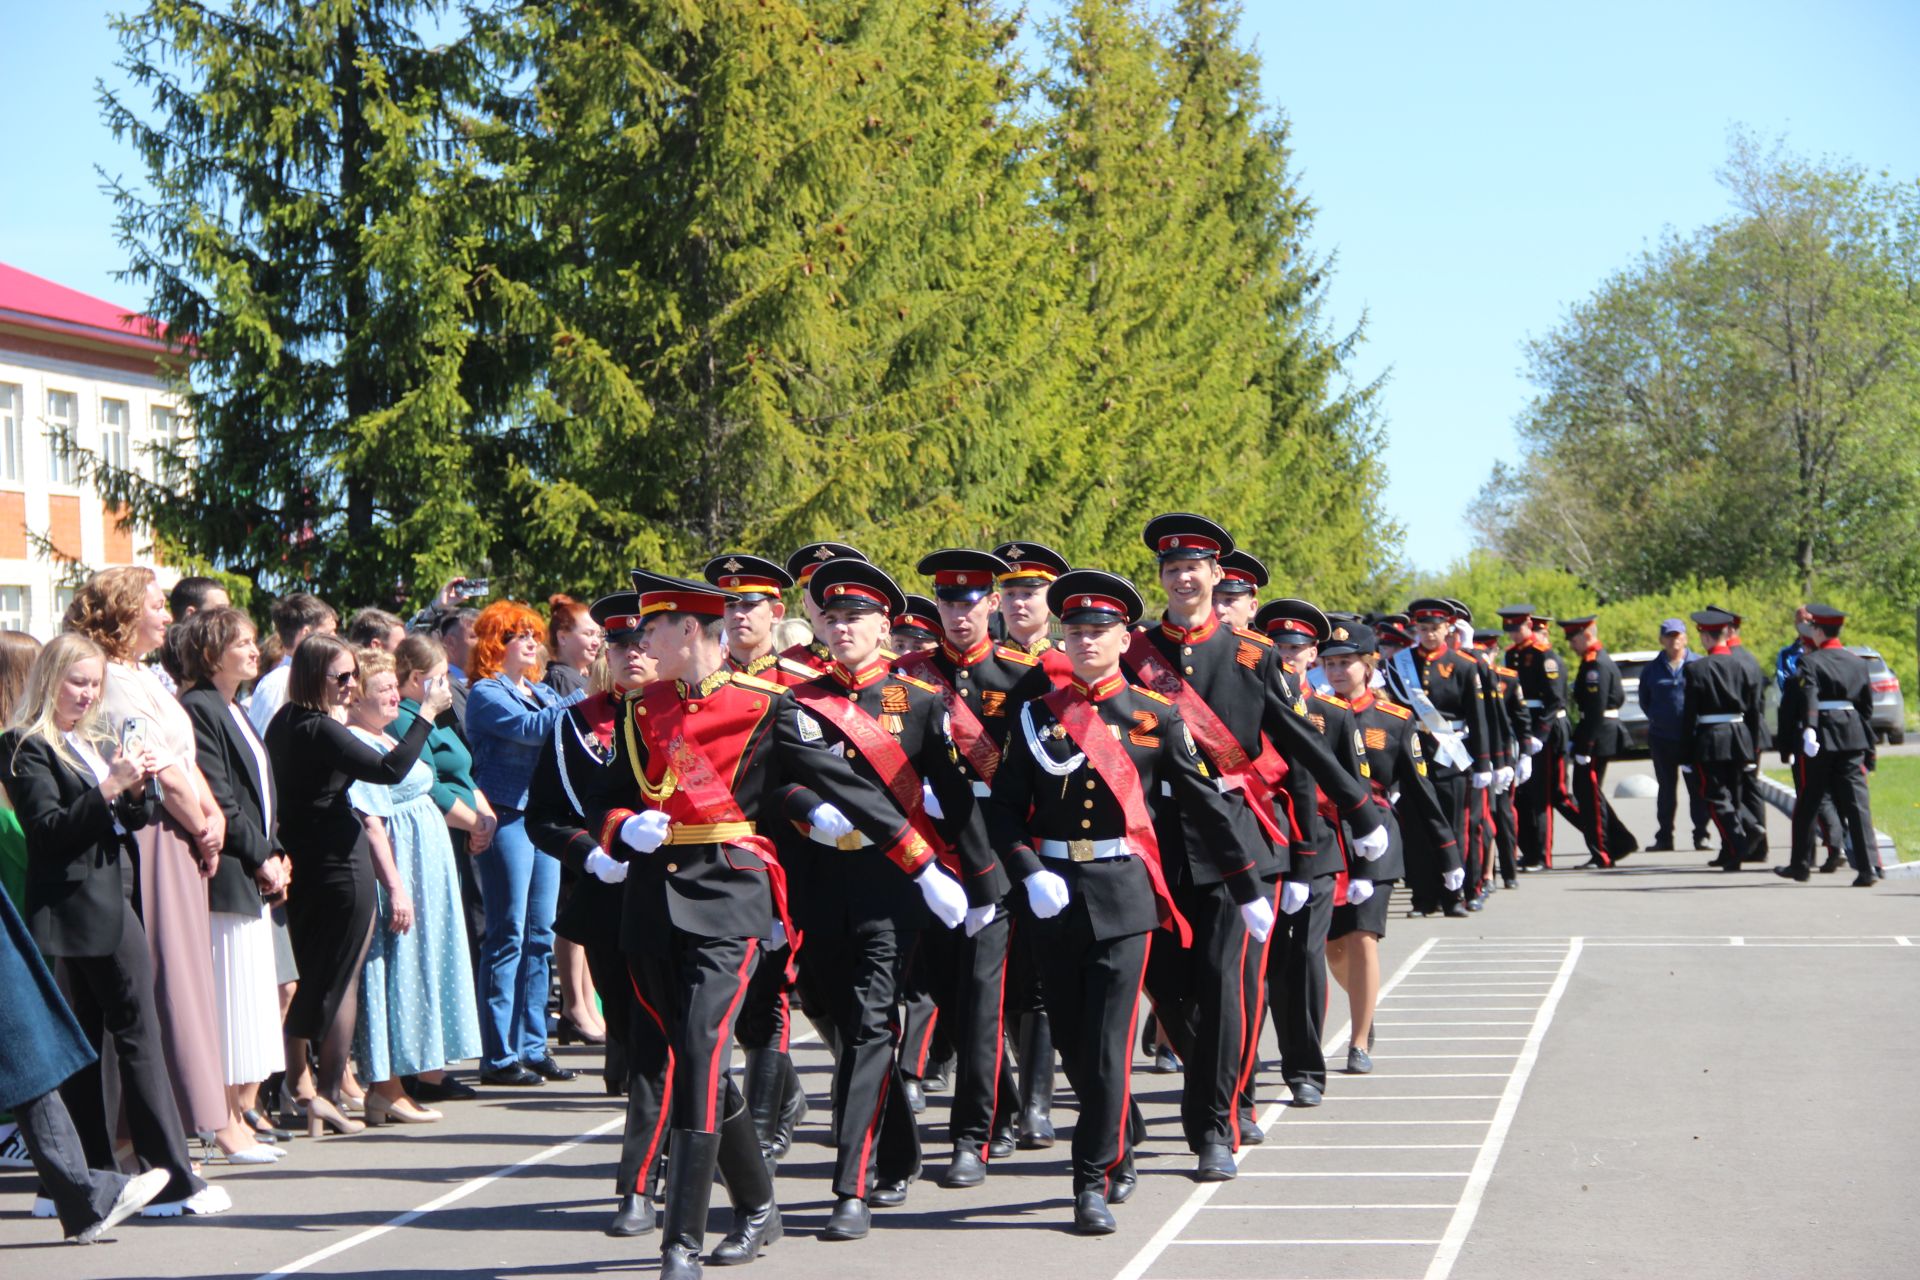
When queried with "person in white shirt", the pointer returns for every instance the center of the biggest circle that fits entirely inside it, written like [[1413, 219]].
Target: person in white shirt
[[295, 617]]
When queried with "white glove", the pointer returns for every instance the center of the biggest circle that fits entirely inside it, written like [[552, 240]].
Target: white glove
[[1752, 768], [1453, 879], [1358, 891], [1294, 895], [1523, 769], [1258, 916], [1046, 894], [1482, 780], [829, 822], [1373, 844], [979, 918], [1578, 759], [1809, 743], [777, 937], [604, 869], [1534, 746], [930, 802], [1503, 779], [1686, 768], [645, 831], [943, 894]]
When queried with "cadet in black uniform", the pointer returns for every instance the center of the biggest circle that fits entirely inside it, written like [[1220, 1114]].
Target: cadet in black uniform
[[1826, 726], [1236, 597], [1598, 695], [805, 661], [1452, 683], [1251, 725], [1515, 722], [1072, 814], [1501, 749], [1751, 800], [1543, 688], [1720, 729], [918, 629], [703, 759], [1397, 771]]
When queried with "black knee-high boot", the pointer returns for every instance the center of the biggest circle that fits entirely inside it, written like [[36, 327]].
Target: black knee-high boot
[[690, 1165], [756, 1218], [1036, 1081]]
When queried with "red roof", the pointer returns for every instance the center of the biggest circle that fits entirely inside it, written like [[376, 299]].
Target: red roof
[[36, 303]]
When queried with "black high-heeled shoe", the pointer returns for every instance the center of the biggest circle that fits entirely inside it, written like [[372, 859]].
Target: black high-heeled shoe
[[262, 1130], [571, 1032]]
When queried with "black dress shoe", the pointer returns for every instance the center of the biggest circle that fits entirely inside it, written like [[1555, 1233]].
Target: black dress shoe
[[1596, 863], [1832, 864], [1251, 1134], [1121, 1186], [1865, 880], [885, 1195], [916, 1095], [1002, 1144], [848, 1221], [447, 1089], [1477, 904], [1794, 871], [1700, 840], [1091, 1216], [1664, 845], [1358, 1061], [1508, 882], [1216, 1164], [1455, 911], [515, 1075], [548, 1069], [967, 1169], [634, 1218], [1306, 1094]]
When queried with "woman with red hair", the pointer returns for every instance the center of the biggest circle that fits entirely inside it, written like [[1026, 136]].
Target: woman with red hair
[[510, 716]]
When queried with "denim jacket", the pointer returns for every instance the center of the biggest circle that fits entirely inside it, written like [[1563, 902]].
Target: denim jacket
[[507, 730]]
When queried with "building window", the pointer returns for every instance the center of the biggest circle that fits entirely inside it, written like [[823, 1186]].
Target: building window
[[13, 441], [15, 611], [63, 435], [116, 434], [62, 597]]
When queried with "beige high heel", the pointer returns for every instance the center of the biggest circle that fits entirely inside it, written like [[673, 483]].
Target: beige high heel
[[323, 1115], [382, 1111]]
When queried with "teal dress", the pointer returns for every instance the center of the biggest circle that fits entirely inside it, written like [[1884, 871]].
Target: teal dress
[[417, 1008], [452, 762]]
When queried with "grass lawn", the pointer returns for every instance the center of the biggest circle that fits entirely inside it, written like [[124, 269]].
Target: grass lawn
[[1895, 789]]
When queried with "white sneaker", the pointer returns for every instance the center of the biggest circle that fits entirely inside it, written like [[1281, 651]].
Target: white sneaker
[[210, 1199], [135, 1196], [13, 1150]]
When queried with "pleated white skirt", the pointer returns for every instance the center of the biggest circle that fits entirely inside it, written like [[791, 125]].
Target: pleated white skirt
[[246, 996]]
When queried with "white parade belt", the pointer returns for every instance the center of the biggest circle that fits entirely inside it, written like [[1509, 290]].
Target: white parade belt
[[981, 788], [1721, 717], [1835, 705], [1083, 850]]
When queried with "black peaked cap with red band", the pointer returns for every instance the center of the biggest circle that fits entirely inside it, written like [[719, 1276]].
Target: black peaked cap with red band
[[1431, 607], [1244, 574], [810, 557], [921, 612], [617, 614], [1094, 595], [961, 575], [1571, 625], [660, 593], [1029, 562], [1349, 636], [1826, 616], [752, 577], [1460, 610], [1296, 621], [1181, 535], [855, 584]]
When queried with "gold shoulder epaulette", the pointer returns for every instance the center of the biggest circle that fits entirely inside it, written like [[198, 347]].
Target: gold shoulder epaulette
[[793, 668], [915, 681], [1245, 634], [1335, 699], [1145, 692], [1393, 708], [1508, 672], [755, 682], [1020, 656]]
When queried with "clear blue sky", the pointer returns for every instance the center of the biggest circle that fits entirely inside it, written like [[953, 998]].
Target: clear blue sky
[[1477, 166]]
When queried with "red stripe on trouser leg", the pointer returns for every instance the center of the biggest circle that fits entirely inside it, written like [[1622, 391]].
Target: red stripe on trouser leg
[[999, 1047], [1250, 1024], [1699, 783], [1126, 1074], [786, 1022], [722, 1043], [1599, 819], [666, 1094], [866, 1139], [926, 1046]]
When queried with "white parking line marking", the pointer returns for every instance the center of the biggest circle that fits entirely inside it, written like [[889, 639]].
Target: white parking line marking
[[1307, 1124], [1316, 1208], [1423, 1097], [1269, 1145], [1305, 1240], [1341, 1173], [1476, 1189]]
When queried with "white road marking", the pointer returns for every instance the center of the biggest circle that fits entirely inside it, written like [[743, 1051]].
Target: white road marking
[[1455, 1237], [1306, 1240], [1341, 1173], [1317, 1208], [1270, 1145]]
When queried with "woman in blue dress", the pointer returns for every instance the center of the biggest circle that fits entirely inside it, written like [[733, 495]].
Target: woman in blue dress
[[417, 1010]]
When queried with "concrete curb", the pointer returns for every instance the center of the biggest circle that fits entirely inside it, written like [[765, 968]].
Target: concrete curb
[[1782, 798]]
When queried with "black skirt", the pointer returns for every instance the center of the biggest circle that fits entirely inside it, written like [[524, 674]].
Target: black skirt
[[329, 910], [1369, 917]]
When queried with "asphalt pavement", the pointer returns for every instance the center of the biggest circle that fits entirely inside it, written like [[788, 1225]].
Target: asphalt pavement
[[1657, 1071]]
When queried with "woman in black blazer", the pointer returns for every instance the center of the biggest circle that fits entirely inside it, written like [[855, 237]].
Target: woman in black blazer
[[330, 906], [79, 811], [217, 653]]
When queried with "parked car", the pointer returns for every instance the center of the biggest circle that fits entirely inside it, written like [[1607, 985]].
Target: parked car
[[1632, 719], [1889, 703]]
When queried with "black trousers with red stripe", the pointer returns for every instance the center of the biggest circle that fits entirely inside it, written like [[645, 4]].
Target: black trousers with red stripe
[[1093, 1002], [1839, 777], [690, 990], [969, 978], [1203, 996], [1536, 799], [1505, 824], [924, 1045], [1296, 987], [857, 970], [1426, 864], [1716, 786], [1607, 836]]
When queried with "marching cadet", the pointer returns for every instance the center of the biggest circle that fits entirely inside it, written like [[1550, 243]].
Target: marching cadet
[[1514, 722], [917, 630], [1296, 969], [1720, 731], [984, 684], [1397, 769], [1483, 829], [805, 661], [863, 913], [714, 756], [1543, 687], [1452, 683], [1072, 810], [756, 583], [1243, 711], [1826, 726], [1236, 597], [1750, 797], [1598, 695], [1031, 570]]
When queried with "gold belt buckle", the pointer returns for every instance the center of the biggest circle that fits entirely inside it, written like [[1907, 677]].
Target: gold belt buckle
[[1080, 851], [850, 841]]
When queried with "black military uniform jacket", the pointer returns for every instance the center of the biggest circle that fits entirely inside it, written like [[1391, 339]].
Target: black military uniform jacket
[[1237, 673], [1335, 721], [1397, 768], [993, 680], [1598, 695], [1045, 790], [1452, 682], [863, 883], [1500, 741], [750, 732], [1720, 684], [1543, 686], [566, 784], [1833, 691]]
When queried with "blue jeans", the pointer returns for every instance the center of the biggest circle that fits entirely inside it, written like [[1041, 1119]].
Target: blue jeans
[[520, 887]]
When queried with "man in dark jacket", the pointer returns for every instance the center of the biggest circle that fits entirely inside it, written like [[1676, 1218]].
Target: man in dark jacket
[[1662, 693], [1597, 695]]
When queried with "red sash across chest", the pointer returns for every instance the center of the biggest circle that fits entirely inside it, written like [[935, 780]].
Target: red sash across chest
[[887, 757], [975, 743]]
